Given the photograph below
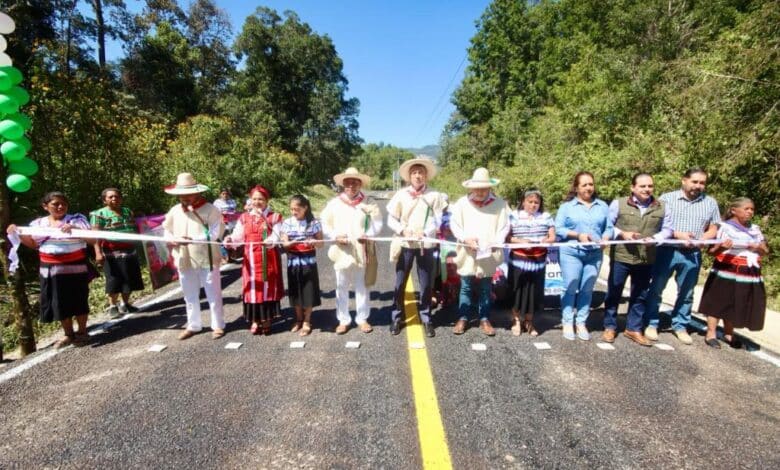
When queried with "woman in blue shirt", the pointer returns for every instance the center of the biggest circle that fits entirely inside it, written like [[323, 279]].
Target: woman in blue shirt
[[584, 221]]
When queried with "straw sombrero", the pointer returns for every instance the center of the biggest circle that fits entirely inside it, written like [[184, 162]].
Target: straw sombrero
[[427, 163], [351, 172], [185, 184], [480, 179]]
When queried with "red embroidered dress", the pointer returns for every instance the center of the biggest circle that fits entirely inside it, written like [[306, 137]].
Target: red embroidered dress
[[262, 267]]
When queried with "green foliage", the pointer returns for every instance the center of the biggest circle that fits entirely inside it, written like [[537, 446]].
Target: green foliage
[[379, 161], [293, 88], [626, 86]]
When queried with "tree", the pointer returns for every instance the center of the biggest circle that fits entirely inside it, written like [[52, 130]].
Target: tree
[[292, 82]]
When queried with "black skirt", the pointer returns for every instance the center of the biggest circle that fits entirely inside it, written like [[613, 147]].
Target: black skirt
[[303, 282], [741, 303], [262, 312], [64, 294], [123, 272], [528, 290]]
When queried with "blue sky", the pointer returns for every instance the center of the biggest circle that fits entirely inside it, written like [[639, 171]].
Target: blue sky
[[401, 57]]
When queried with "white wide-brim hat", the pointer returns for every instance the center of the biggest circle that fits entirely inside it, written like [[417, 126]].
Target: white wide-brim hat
[[480, 179], [353, 173], [427, 163], [186, 184]]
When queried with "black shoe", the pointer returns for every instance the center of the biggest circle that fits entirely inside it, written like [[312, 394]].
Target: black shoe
[[712, 342], [429, 331], [395, 327]]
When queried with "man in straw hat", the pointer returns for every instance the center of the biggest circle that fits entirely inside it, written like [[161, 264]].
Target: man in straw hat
[[414, 212], [349, 218], [479, 220], [194, 218]]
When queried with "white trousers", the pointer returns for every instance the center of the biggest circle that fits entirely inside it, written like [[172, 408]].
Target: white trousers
[[357, 278], [191, 280]]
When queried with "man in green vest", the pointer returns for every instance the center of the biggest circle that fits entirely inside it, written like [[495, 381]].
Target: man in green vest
[[636, 217]]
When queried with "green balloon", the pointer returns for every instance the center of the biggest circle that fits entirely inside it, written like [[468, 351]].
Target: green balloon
[[5, 81], [24, 142], [18, 183], [25, 166], [13, 73], [12, 151], [10, 130], [19, 94], [21, 119], [8, 104]]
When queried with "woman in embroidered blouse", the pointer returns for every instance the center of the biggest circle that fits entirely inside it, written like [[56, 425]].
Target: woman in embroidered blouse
[[584, 221], [119, 259], [734, 290], [263, 286], [529, 224], [63, 269], [301, 235]]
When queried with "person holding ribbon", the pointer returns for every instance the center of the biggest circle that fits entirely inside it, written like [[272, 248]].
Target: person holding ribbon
[[528, 224], [301, 234], [195, 219], [349, 219], [583, 220], [639, 216], [118, 258], [734, 290], [229, 209], [64, 270], [695, 217], [478, 221], [263, 286], [414, 212]]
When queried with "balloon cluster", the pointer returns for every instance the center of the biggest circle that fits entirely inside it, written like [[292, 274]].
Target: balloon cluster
[[13, 143]]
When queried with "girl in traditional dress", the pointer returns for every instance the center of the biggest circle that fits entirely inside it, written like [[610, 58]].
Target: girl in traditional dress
[[734, 290], [64, 274], [528, 224], [301, 234], [263, 286]]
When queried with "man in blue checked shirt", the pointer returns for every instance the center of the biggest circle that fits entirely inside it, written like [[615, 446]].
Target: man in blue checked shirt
[[695, 216]]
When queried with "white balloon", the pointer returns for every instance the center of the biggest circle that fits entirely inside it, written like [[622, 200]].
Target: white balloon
[[3, 43], [5, 60], [7, 25]]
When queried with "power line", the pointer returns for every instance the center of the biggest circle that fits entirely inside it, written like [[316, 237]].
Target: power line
[[436, 111]]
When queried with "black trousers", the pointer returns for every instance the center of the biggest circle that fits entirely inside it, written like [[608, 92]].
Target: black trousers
[[403, 267]]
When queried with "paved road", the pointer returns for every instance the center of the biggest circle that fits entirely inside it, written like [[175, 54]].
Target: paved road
[[114, 404]]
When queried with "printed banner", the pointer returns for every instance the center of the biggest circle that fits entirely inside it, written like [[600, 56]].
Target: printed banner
[[162, 270], [553, 280]]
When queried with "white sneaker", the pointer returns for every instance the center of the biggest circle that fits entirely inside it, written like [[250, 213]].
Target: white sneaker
[[683, 336], [651, 333]]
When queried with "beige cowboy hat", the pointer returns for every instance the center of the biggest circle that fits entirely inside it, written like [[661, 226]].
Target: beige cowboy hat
[[480, 179], [427, 163], [185, 184], [353, 173]]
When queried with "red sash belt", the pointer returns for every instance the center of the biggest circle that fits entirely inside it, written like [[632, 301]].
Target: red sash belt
[[64, 258]]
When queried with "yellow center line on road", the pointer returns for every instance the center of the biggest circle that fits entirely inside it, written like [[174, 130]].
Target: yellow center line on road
[[433, 440]]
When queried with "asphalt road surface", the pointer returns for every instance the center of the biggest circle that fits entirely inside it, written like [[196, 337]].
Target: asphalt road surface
[[265, 405]]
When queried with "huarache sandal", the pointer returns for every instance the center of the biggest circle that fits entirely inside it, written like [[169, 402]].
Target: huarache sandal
[[528, 326], [296, 326], [66, 340], [516, 327]]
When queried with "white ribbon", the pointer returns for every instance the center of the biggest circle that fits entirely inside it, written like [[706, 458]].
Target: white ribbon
[[120, 236]]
